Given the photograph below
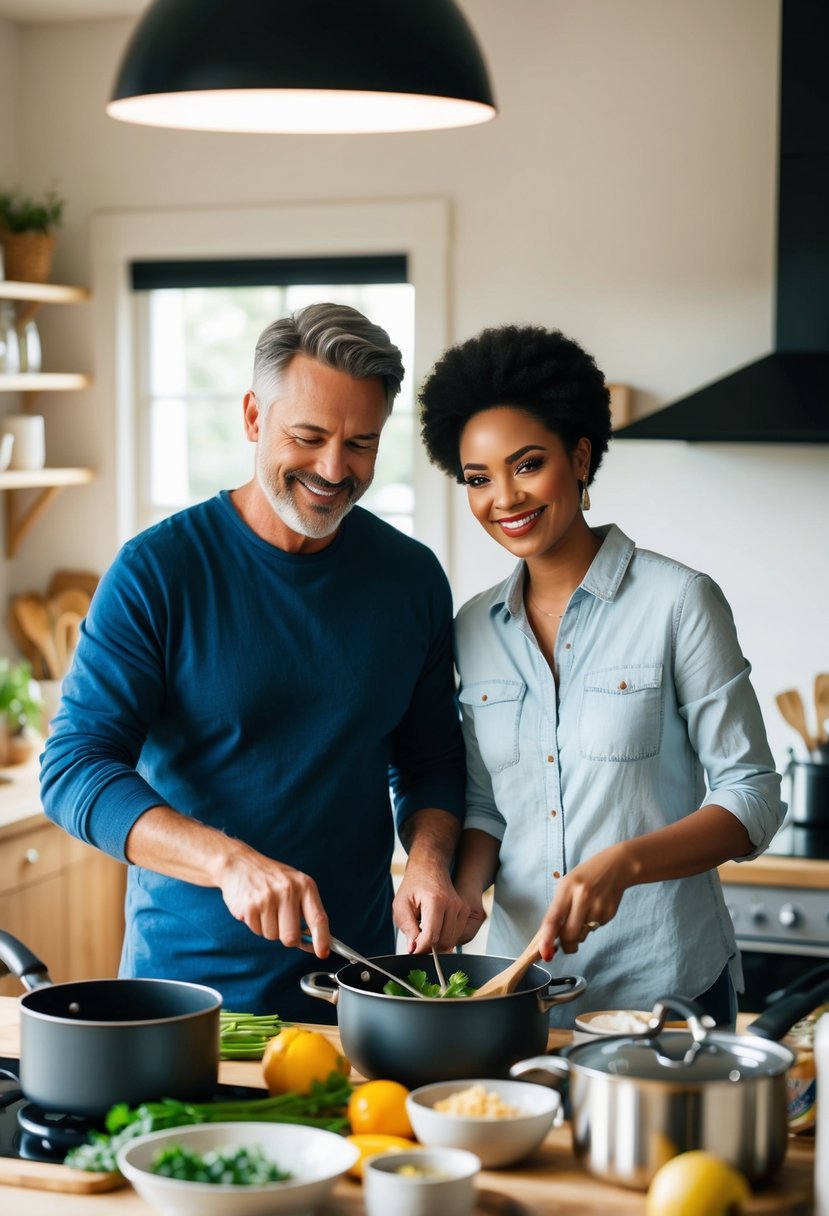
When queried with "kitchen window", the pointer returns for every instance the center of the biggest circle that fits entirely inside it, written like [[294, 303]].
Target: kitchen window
[[196, 326]]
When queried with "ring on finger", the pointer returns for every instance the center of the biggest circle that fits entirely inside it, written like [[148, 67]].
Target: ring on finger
[[591, 925]]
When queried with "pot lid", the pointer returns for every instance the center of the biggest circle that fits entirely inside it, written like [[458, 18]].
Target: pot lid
[[700, 1055], [675, 1055]]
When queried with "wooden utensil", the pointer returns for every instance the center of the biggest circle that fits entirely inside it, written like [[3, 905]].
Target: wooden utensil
[[65, 633], [86, 580], [508, 980], [790, 704], [33, 618], [822, 706]]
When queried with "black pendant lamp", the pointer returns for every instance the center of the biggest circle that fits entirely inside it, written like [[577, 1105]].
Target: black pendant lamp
[[303, 66]]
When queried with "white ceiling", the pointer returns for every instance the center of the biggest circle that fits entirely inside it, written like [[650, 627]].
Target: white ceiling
[[33, 11]]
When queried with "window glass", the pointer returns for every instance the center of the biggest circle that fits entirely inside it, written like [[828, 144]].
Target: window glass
[[195, 365]]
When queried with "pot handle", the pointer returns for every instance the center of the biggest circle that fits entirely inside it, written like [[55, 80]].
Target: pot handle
[[782, 1015], [312, 985], [21, 962], [551, 1071], [571, 986]]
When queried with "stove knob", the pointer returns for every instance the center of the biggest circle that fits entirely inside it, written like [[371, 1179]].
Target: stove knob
[[789, 916], [758, 914]]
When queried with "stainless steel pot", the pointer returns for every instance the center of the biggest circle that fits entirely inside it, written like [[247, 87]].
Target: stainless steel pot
[[419, 1041], [86, 1045], [638, 1100]]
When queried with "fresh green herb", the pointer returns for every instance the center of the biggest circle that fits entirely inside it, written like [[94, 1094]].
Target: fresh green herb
[[244, 1036], [224, 1166], [456, 985], [325, 1107]]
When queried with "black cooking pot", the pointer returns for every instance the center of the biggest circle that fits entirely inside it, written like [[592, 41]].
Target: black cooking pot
[[86, 1045], [416, 1041], [637, 1100]]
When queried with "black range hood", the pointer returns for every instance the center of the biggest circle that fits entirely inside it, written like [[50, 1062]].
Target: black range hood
[[783, 397]]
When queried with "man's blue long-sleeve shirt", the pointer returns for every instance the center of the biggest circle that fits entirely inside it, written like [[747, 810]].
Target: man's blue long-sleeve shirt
[[272, 696]]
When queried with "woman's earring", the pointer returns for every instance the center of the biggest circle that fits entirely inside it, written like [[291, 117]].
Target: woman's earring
[[584, 496]]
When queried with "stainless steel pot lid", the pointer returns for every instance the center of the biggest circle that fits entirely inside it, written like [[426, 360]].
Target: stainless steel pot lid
[[697, 1056]]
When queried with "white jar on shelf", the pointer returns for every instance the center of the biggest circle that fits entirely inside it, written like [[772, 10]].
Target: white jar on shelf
[[9, 340], [29, 449]]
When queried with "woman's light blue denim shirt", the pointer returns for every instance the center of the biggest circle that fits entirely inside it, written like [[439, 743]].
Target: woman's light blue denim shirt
[[654, 717]]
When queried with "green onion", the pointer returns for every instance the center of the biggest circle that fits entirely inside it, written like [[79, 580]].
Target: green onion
[[244, 1036]]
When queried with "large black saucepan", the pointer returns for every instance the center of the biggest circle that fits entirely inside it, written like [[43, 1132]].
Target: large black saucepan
[[87, 1045], [638, 1100], [439, 1039]]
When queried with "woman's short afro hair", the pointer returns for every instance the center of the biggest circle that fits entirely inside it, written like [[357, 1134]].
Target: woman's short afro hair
[[522, 366]]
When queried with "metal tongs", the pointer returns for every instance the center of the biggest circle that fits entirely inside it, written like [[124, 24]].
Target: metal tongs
[[353, 957]]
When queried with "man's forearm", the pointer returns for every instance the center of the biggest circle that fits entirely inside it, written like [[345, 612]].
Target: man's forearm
[[430, 836], [170, 843]]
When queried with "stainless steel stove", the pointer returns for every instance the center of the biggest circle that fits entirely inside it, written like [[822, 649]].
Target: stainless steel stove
[[782, 931]]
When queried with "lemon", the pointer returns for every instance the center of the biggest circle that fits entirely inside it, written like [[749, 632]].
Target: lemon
[[697, 1184], [295, 1058], [371, 1143]]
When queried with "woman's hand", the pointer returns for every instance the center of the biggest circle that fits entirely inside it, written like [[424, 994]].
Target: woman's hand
[[585, 898], [477, 916]]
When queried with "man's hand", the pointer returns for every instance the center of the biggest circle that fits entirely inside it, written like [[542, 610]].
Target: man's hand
[[427, 908], [274, 900]]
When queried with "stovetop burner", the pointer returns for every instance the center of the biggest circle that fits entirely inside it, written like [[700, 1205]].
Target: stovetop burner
[[28, 1132]]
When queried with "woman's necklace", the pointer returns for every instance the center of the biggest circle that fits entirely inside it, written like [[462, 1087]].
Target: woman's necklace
[[556, 616]]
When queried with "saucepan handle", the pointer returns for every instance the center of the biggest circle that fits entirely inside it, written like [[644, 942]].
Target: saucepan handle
[[560, 989], [552, 1071], [21, 962], [782, 1015], [313, 985]]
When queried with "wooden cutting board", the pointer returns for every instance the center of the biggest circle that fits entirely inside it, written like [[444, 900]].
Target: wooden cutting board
[[44, 1176]]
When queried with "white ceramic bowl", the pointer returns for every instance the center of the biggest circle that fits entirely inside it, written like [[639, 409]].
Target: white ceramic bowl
[[602, 1022], [444, 1184], [495, 1141], [315, 1158]]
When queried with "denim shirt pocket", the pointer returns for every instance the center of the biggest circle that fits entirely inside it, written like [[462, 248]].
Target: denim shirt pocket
[[621, 713], [496, 712]]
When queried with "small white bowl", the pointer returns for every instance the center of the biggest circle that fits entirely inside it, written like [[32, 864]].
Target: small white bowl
[[315, 1158], [495, 1141], [603, 1022], [444, 1184]]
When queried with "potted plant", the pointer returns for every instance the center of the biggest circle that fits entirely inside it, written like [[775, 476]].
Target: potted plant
[[27, 233], [21, 711]]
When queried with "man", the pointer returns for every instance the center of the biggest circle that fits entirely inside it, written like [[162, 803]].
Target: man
[[252, 675]]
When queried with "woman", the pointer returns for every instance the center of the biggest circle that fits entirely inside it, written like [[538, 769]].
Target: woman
[[600, 686]]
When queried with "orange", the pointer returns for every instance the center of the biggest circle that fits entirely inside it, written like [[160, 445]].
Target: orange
[[295, 1058], [380, 1106]]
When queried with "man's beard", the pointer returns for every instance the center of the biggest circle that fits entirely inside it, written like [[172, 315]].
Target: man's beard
[[314, 520]]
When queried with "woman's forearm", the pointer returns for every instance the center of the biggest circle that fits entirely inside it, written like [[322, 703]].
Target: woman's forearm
[[699, 842]]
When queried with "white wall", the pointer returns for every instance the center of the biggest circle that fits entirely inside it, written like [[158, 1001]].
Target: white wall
[[625, 193]]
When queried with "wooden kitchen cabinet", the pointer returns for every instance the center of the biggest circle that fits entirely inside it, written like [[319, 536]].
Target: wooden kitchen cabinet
[[63, 899], [49, 482]]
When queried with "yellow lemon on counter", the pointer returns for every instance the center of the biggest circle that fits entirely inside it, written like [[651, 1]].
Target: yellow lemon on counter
[[295, 1058], [371, 1143], [697, 1184]]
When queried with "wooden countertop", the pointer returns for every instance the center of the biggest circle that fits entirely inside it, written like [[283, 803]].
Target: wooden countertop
[[549, 1182], [20, 794]]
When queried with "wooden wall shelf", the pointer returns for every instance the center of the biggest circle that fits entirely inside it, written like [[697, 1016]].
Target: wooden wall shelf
[[50, 483]]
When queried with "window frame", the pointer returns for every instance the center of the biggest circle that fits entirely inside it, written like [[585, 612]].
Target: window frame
[[419, 229]]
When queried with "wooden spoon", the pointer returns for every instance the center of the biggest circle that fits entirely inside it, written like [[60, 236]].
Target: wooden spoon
[[790, 704], [822, 706], [507, 981], [33, 618]]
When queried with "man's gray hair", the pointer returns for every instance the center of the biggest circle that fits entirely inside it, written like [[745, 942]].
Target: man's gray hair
[[336, 335]]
